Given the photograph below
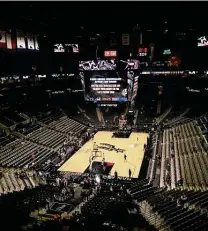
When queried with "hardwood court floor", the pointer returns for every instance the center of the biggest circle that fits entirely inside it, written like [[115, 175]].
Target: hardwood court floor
[[134, 151]]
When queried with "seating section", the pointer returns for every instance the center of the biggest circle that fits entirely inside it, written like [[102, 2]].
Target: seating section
[[178, 119], [156, 141], [49, 117], [15, 208], [177, 210], [47, 137], [13, 180], [23, 153], [88, 115], [107, 205], [36, 144], [159, 119], [203, 122], [5, 139], [10, 117], [81, 117], [141, 190], [182, 157], [67, 126], [28, 128], [109, 119]]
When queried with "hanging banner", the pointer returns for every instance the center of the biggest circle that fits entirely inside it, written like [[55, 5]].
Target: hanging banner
[[125, 40], [112, 40], [2, 39], [21, 44], [135, 88], [30, 41], [75, 48], [11, 42], [140, 39], [36, 43]]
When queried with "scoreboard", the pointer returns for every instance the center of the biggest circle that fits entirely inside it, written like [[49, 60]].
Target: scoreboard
[[108, 80]]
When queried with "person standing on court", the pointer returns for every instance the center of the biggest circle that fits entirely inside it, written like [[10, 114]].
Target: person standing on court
[[125, 157], [103, 164], [129, 173], [116, 175]]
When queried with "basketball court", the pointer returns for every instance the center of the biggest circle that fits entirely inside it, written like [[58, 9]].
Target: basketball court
[[134, 150]]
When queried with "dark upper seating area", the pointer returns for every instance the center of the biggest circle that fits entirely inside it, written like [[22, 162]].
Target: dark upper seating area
[[88, 114], [10, 117], [49, 117], [5, 139], [27, 128]]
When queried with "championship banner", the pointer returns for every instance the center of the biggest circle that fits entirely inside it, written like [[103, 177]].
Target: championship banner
[[135, 88], [21, 44], [11, 42], [2, 39], [30, 41], [75, 48], [36, 43], [125, 40], [59, 48]]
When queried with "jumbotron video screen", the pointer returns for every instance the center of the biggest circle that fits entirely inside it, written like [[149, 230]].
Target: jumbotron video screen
[[108, 80], [105, 86]]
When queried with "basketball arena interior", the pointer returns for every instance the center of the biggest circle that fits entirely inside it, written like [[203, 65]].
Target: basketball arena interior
[[103, 123]]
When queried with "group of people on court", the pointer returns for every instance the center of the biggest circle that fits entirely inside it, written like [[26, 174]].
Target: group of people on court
[[104, 165]]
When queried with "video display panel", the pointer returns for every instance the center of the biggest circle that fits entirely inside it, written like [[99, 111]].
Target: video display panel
[[167, 52], [108, 65], [143, 51], [104, 86], [202, 41], [110, 53], [108, 80], [60, 47], [97, 65]]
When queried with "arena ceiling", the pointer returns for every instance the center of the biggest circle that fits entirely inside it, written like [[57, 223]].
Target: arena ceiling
[[68, 20], [104, 15]]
